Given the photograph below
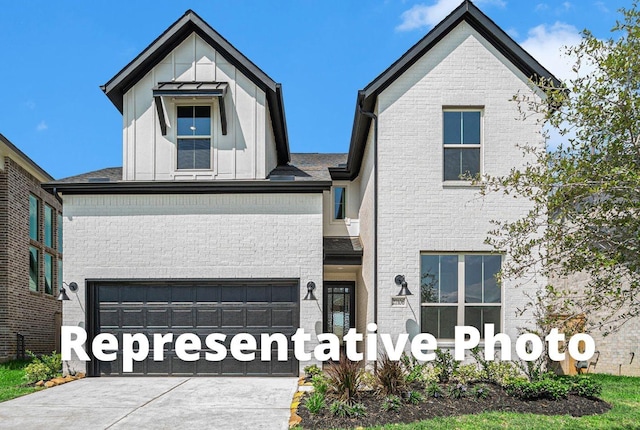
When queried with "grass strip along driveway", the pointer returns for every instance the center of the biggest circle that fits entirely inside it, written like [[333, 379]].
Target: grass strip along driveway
[[12, 382]]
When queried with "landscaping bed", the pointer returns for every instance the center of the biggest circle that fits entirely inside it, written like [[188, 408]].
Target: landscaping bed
[[344, 395], [498, 400]]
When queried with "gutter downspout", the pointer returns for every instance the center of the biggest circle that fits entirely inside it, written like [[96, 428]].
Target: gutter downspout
[[374, 117]]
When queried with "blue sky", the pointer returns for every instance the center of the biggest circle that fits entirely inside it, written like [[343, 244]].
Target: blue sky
[[55, 54]]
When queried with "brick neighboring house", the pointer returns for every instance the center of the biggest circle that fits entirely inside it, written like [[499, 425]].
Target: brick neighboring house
[[30, 256], [212, 225]]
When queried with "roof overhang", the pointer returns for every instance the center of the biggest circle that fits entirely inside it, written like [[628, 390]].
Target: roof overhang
[[190, 23], [9, 149], [192, 90], [367, 97], [189, 187]]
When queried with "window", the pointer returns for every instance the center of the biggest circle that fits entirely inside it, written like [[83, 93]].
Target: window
[[48, 226], [34, 217], [459, 290], [33, 268], [59, 225], [45, 235], [339, 202], [194, 137], [462, 139], [48, 273]]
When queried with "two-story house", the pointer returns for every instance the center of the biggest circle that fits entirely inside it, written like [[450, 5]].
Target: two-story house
[[30, 257], [212, 225]]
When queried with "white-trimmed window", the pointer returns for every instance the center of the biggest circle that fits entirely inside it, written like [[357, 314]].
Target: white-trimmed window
[[194, 138], [459, 289], [339, 203], [462, 137]]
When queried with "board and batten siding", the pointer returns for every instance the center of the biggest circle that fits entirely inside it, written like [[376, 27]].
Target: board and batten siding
[[247, 151]]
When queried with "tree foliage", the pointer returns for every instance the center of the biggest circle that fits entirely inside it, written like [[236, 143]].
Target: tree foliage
[[585, 193]]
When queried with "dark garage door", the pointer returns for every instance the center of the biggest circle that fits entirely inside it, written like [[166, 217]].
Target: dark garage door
[[200, 307]]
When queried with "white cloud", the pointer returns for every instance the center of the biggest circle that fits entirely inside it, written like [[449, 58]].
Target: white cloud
[[601, 6], [42, 126], [547, 43], [541, 7], [30, 104], [427, 16]]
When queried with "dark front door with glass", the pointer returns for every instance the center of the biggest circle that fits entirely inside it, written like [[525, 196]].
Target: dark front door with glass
[[339, 307]]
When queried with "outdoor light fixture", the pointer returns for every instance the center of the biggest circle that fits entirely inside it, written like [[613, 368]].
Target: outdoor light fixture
[[63, 293], [310, 287], [404, 290]]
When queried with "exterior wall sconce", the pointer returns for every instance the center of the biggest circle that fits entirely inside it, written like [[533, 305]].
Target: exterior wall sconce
[[63, 293], [404, 290], [310, 287], [400, 301]]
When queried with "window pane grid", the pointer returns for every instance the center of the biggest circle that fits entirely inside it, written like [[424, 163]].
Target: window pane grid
[[462, 143], [193, 138], [478, 298]]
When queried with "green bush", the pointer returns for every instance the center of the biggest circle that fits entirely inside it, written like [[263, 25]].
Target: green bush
[[466, 373], [445, 365], [501, 372], [415, 397], [43, 368], [315, 403], [434, 390], [546, 388], [481, 391], [585, 387], [320, 384], [312, 370], [458, 391], [390, 376], [344, 378], [414, 369], [343, 409], [391, 403]]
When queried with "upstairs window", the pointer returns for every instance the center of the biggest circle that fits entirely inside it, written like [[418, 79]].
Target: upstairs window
[[462, 135], [194, 138], [48, 226], [34, 217], [339, 202]]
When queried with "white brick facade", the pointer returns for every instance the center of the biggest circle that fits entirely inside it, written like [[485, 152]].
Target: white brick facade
[[193, 237], [417, 212]]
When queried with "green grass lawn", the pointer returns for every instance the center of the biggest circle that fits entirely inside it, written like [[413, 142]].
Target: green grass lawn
[[623, 393], [12, 380]]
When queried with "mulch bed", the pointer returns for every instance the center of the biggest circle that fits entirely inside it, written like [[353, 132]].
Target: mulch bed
[[444, 406]]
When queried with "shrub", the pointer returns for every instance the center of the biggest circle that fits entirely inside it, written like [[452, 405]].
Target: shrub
[[391, 403], [343, 409], [320, 384], [501, 372], [445, 364], [415, 397], [390, 376], [312, 370], [367, 379], [344, 378], [466, 373], [547, 388], [434, 390], [458, 391], [43, 368], [481, 391], [413, 368], [315, 403], [585, 387]]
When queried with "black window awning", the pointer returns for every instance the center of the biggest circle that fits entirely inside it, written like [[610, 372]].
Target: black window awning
[[193, 90]]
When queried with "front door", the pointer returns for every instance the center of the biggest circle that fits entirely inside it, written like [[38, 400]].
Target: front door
[[339, 307]]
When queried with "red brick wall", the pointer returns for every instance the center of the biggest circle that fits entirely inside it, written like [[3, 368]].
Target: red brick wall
[[32, 314]]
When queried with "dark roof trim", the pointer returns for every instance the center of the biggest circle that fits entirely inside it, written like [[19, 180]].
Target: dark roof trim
[[184, 187], [24, 156], [468, 12], [346, 260], [189, 23]]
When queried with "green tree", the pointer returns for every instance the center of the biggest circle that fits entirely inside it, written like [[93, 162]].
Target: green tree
[[585, 194]]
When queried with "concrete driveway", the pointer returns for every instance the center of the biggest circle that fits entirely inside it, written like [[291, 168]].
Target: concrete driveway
[[155, 403]]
